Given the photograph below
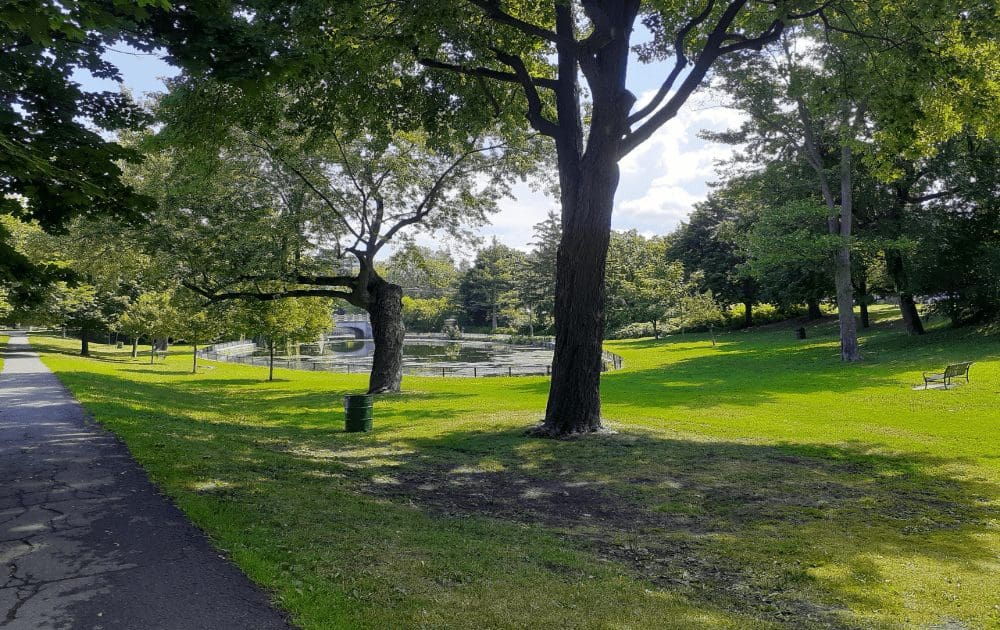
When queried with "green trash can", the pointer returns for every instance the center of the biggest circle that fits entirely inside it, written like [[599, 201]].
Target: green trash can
[[358, 412]]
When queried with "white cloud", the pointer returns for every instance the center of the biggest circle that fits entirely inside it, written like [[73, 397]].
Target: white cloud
[[663, 200], [513, 224], [664, 177]]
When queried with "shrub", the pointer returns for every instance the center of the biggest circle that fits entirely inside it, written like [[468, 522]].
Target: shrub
[[426, 314], [762, 314], [633, 331]]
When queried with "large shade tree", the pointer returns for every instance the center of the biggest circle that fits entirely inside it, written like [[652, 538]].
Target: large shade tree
[[254, 206]]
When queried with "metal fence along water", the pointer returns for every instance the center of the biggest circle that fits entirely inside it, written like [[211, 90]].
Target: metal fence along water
[[242, 352]]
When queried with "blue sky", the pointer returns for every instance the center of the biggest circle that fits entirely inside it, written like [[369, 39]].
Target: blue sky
[[660, 182]]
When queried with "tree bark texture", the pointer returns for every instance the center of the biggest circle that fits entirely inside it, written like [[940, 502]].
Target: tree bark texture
[[270, 361], [588, 181], [747, 314], [911, 317], [84, 341], [813, 310], [385, 310], [907, 306], [849, 349], [135, 347], [839, 223], [574, 404], [862, 301]]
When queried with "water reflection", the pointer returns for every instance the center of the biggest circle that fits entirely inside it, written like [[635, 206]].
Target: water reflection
[[422, 355]]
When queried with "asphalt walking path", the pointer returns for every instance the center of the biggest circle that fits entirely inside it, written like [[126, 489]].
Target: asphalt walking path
[[86, 541]]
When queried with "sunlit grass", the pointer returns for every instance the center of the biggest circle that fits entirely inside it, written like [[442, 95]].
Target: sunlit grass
[[759, 482]]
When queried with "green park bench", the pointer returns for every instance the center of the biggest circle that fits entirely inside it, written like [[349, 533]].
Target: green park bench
[[955, 370]]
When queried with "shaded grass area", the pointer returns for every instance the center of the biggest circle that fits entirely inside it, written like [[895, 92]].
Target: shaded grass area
[[758, 483]]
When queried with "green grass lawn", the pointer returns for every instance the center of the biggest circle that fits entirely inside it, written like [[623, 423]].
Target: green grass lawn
[[757, 483]]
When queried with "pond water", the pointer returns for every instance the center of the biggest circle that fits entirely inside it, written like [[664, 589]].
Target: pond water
[[424, 356]]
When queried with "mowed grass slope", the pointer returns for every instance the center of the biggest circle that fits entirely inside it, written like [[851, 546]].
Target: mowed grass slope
[[756, 483]]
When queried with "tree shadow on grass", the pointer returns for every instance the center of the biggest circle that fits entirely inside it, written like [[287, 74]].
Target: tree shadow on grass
[[242, 402], [734, 526], [748, 529], [42, 344], [745, 377], [786, 533], [749, 372]]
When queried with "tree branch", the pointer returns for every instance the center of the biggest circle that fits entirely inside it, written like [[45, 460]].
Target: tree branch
[[679, 65], [538, 120], [932, 196], [482, 71], [427, 203], [713, 49], [215, 296], [327, 281], [271, 152], [493, 11]]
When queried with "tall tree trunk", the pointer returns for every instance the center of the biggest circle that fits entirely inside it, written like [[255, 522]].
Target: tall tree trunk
[[152, 349], [270, 359], [907, 306], [894, 262], [813, 310], [574, 404], [135, 347], [747, 314], [385, 310], [84, 341], [863, 303], [588, 181], [839, 221], [656, 332], [849, 349], [911, 317], [194, 355]]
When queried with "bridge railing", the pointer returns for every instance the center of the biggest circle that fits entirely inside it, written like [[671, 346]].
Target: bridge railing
[[223, 351], [351, 317]]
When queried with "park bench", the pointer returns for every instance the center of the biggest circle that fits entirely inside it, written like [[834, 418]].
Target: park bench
[[955, 370]]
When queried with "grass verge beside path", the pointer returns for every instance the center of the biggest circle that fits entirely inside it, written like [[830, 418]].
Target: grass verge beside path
[[758, 483]]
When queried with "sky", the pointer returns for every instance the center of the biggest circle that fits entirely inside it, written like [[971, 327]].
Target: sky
[[661, 180]]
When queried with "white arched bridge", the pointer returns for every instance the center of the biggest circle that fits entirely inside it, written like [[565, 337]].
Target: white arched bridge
[[358, 324]]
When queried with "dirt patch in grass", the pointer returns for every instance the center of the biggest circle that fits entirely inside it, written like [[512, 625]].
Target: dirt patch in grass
[[707, 526], [512, 496], [671, 550]]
